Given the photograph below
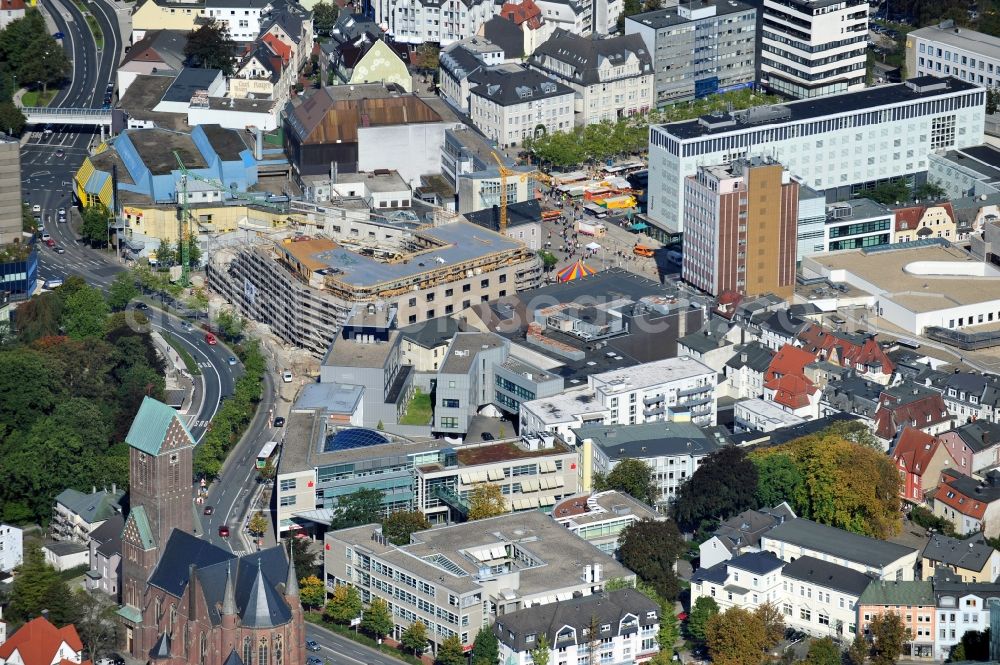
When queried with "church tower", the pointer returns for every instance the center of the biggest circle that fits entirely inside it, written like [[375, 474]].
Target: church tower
[[161, 456]]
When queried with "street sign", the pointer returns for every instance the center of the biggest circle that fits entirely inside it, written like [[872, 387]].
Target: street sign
[[355, 622]]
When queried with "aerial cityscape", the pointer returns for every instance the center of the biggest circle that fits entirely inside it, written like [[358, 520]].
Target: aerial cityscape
[[499, 332]]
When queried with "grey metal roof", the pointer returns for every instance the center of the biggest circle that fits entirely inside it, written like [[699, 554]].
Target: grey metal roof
[[161, 649], [181, 551], [754, 355], [717, 574], [509, 86], [746, 529], [979, 434], [652, 439], [262, 606], [109, 536], [837, 542], [663, 18], [459, 61], [702, 342], [525, 212], [578, 613], [825, 574], [760, 563], [585, 55], [506, 34], [95, 507], [189, 81], [431, 333], [972, 554], [233, 659]]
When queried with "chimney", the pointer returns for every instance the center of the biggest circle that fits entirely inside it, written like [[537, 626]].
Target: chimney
[[45, 614], [586, 573]]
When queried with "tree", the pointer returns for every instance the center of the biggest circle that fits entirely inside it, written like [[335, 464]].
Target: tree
[[312, 592], [426, 57], [723, 485], [230, 324], [122, 291], [632, 476], [486, 648], [94, 227], [486, 501], [36, 587], [736, 637], [85, 314], [398, 526], [96, 621], [12, 120], [704, 609], [650, 549], [823, 652], [450, 652], [975, 645], [778, 479], [889, 192], [774, 624], [888, 637], [344, 605], [361, 506], [414, 638], [549, 260], [305, 558], [258, 524], [377, 619], [211, 47], [858, 652], [324, 17], [992, 100], [540, 654]]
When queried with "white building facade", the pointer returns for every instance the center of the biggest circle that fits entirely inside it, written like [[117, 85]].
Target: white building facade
[[417, 22], [11, 547], [842, 144], [509, 106], [948, 50]]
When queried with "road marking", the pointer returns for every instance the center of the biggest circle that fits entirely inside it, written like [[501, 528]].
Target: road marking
[[343, 655]]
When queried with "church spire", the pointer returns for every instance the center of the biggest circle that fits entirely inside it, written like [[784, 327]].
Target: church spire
[[292, 583], [229, 598]]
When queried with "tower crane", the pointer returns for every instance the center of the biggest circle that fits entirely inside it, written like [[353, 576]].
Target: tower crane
[[509, 173]]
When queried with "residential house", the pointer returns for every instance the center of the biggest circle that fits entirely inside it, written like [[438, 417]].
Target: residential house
[[425, 344], [859, 352], [65, 554], [785, 382], [913, 405], [916, 222], [612, 76], [509, 103], [159, 52], [105, 558], [457, 63], [971, 505], [601, 517], [38, 642], [433, 21], [961, 607], [920, 458], [289, 23], [11, 547], [526, 15], [77, 514], [264, 72], [163, 15], [745, 370], [10, 11], [913, 602], [974, 446], [776, 329], [741, 534], [626, 622], [854, 395], [822, 596], [241, 18], [970, 395], [710, 345], [748, 581], [971, 560], [508, 36], [672, 450], [796, 538]]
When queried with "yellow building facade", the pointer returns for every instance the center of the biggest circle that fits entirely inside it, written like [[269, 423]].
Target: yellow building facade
[[151, 16]]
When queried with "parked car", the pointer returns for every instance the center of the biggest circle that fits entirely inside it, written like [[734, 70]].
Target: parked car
[[46, 237], [312, 646], [224, 531], [286, 376], [59, 250], [36, 208], [209, 510]]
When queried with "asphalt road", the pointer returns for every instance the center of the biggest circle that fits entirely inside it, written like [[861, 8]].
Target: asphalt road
[[337, 649]]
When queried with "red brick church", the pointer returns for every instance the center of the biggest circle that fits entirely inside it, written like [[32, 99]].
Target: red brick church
[[186, 601]]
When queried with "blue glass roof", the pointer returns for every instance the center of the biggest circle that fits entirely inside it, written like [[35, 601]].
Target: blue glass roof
[[356, 437]]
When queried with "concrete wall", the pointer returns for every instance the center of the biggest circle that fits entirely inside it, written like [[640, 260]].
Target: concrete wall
[[413, 150]]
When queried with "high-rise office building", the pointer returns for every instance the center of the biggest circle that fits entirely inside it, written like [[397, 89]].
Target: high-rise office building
[[10, 190], [740, 228]]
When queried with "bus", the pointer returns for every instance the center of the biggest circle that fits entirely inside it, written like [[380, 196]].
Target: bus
[[266, 454], [623, 170]]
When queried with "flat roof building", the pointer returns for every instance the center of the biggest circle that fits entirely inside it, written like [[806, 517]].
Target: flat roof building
[[839, 144], [601, 517], [949, 50]]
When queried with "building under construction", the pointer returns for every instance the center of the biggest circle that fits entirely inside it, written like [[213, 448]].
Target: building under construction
[[304, 285]]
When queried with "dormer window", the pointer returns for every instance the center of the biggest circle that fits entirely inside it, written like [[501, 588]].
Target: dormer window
[[529, 639], [651, 615], [605, 627]]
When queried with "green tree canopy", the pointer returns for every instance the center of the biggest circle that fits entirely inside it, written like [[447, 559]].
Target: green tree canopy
[[12, 120], [312, 592], [823, 652], [85, 314], [889, 634], [377, 619], [38, 586], [632, 476], [486, 501], [650, 549], [122, 291], [344, 605], [362, 506], [723, 485], [450, 652], [324, 16], [485, 648], [414, 638], [398, 526], [704, 609], [736, 637], [211, 47], [541, 654], [94, 227]]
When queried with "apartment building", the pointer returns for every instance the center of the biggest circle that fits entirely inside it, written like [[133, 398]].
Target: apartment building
[[601, 517], [626, 622], [857, 224], [841, 144], [971, 560], [673, 450], [11, 547], [961, 607], [698, 48], [305, 288], [914, 602], [612, 77], [946, 49], [76, 514], [740, 229], [459, 61], [509, 103], [674, 388], [242, 18], [812, 48], [456, 579], [418, 21]]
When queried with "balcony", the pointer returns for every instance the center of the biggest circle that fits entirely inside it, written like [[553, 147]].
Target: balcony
[[652, 400], [692, 391], [695, 402], [655, 411]]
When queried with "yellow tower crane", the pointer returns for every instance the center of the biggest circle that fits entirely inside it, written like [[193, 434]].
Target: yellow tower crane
[[509, 173]]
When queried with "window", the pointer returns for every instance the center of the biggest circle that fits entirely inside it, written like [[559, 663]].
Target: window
[[287, 484], [805, 614], [449, 403], [485, 283], [247, 650], [823, 619]]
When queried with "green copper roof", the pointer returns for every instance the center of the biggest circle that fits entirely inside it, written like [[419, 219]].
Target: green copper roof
[[130, 613], [138, 515], [150, 425], [891, 592]]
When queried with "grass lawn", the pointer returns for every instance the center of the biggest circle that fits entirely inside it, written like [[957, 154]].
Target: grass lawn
[[37, 98], [419, 410], [189, 362]]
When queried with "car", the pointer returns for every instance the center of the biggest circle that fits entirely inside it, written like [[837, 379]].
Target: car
[[52, 283], [111, 86], [60, 152], [59, 35], [105, 106], [50, 242], [141, 305], [279, 422], [59, 250], [186, 325], [46, 237], [286, 376], [209, 510], [210, 339], [313, 660], [311, 645], [223, 531], [62, 219], [232, 360], [488, 437], [36, 208], [62, 212]]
